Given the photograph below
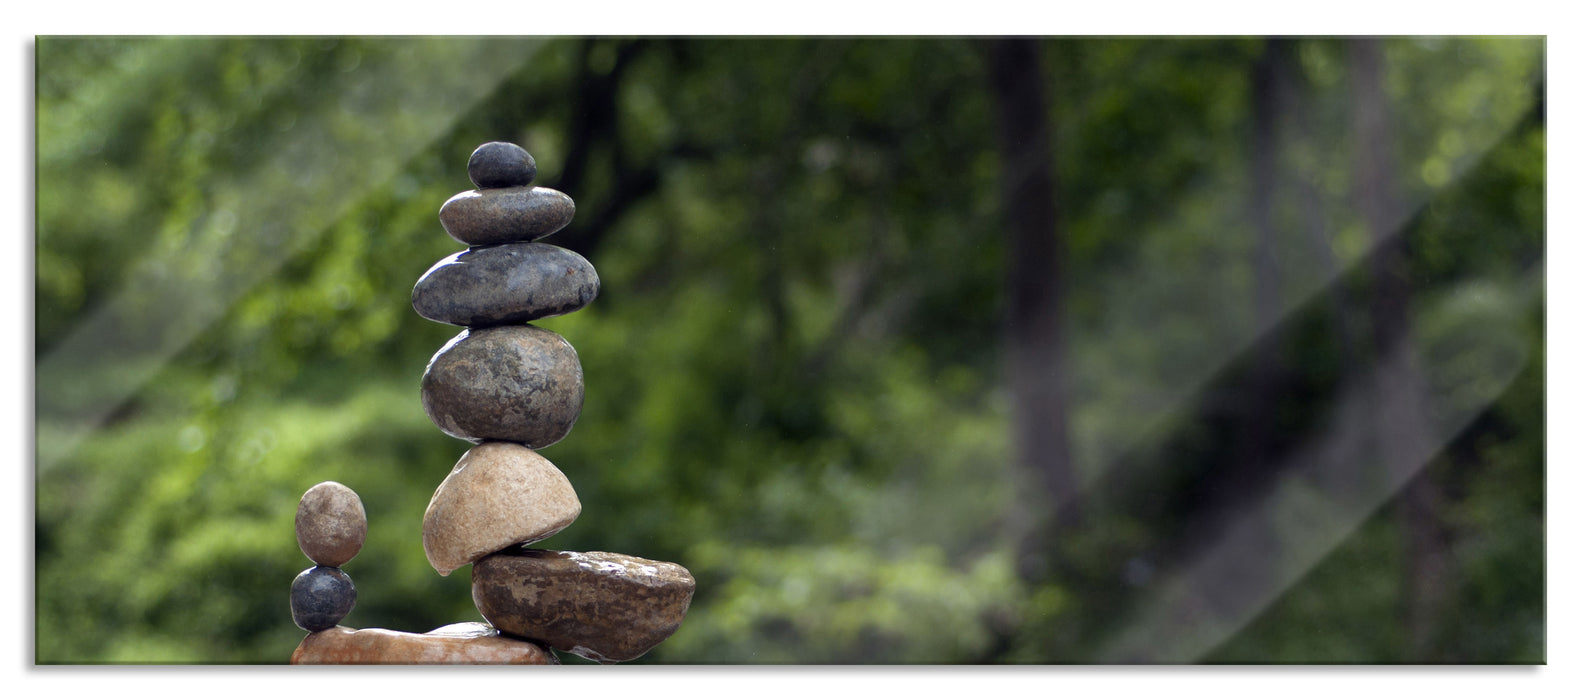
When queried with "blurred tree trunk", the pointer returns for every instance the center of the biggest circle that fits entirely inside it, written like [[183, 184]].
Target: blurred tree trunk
[[1253, 455], [1345, 472], [1270, 96], [1401, 418], [594, 123], [1253, 448], [1035, 346]]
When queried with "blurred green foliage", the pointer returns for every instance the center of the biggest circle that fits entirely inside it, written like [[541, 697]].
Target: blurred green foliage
[[793, 368]]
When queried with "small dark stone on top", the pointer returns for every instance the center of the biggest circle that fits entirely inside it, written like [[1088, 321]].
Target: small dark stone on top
[[501, 164]]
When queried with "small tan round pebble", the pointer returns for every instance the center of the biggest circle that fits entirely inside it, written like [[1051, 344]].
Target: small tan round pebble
[[331, 524]]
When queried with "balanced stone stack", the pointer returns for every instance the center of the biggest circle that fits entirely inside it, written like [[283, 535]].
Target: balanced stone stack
[[331, 528], [512, 388]]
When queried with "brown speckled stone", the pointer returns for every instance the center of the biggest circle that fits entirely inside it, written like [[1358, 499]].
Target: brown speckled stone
[[511, 283], [513, 383], [507, 215], [499, 494], [600, 606], [331, 524], [501, 164], [462, 643]]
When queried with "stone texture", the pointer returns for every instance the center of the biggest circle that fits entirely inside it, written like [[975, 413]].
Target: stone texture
[[331, 524], [499, 494], [597, 605], [501, 164], [510, 283], [321, 597], [461, 643], [514, 383], [507, 215]]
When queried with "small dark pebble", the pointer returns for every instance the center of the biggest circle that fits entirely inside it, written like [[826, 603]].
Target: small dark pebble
[[321, 597], [501, 164]]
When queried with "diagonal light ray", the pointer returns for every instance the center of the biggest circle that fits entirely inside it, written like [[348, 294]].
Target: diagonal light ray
[[1168, 393], [1203, 603], [1206, 600], [313, 181]]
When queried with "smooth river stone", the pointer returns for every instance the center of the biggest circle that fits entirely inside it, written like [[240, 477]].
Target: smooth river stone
[[511, 283], [331, 524], [514, 383], [597, 605], [499, 494], [506, 215], [321, 597], [461, 643], [501, 164]]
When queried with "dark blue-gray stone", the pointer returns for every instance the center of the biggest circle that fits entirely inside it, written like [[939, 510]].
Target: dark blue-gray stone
[[501, 164], [511, 283], [321, 597], [506, 215]]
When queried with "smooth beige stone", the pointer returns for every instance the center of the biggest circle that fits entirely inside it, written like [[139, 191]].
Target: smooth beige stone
[[462, 643], [597, 605], [499, 494], [331, 524]]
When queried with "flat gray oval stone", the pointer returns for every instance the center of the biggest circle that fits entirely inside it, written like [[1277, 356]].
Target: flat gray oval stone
[[511, 283], [507, 215], [501, 164], [514, 383], [597, 605]]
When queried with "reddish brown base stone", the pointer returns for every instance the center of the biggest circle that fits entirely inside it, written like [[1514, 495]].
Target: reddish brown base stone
[[463, 643], [601, 606]]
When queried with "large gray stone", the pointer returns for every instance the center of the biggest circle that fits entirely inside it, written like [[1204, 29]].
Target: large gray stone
[[331, 524], [461, 643], [510, 283], [499, 494], [513, 383], [507, 215], [597, 605]]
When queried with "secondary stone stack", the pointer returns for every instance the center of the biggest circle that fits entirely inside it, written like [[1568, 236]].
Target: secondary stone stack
[[331, 528], [513, 388]]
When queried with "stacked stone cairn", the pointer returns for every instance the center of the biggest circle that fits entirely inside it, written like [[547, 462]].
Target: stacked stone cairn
[[510, 388]]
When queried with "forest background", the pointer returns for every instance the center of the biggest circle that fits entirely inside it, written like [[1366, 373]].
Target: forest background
[[912, 350]]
